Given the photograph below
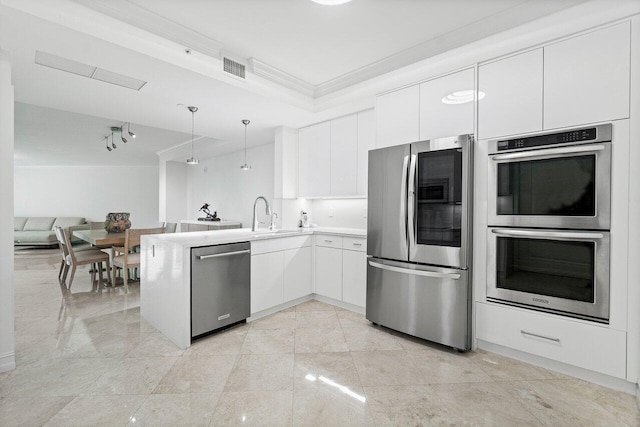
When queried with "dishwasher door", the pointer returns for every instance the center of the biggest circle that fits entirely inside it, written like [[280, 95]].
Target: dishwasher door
[[220, 286]]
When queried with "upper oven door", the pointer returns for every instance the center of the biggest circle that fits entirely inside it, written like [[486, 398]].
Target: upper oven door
[[560, 187], [438, 201]]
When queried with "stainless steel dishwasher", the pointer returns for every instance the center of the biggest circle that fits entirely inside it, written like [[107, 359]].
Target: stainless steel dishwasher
[[220, 287]]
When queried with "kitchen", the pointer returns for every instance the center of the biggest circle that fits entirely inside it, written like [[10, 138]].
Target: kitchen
[[319, 169]]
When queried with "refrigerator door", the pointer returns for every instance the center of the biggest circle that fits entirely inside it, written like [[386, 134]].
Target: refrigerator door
[[424, 301], [387, 203], [439, 200]]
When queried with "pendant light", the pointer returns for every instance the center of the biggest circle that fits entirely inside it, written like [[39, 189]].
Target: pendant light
[[245, 167], [192, 160]]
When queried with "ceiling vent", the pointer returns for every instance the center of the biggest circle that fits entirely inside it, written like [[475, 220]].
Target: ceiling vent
[[234, 68], [85, 70]]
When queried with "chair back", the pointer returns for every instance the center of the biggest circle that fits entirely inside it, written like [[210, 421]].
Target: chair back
[[61, 243], [67, 244], [132, 235], [170, 227], [93, 225]]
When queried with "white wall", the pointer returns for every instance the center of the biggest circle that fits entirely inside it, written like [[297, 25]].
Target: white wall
[[7, 342], [88, 191], [177, 189], [229, 190], [349, 213]]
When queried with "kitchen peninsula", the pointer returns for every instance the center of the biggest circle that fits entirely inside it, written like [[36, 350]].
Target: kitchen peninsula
[[281, 272]]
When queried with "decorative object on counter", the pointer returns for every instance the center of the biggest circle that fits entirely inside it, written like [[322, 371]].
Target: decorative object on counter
[[304, 220], [192, 160], [245, 167], [115, 129], [117, 222], [210, 216]]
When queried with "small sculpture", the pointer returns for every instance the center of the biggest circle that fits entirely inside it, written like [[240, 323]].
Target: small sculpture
[[209, 215], [117, 222]]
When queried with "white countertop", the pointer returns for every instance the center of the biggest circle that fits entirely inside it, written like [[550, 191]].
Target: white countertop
[[216, 237]]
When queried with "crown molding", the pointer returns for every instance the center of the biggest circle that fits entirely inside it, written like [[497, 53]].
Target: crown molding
[[276, 75], [147, 20]]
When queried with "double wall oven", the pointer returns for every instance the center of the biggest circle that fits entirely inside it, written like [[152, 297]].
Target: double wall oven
[[549, 219]]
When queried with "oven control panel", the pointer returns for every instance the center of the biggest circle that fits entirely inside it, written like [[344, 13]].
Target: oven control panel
[[587, 134]]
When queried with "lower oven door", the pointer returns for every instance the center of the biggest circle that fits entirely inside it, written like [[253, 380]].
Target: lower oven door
[[565, 272]]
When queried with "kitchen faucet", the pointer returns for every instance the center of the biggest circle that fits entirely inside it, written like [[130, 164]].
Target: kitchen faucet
[[255, 211]]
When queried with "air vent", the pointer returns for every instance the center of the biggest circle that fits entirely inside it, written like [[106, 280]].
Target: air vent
[[234, 68], [85, 70]]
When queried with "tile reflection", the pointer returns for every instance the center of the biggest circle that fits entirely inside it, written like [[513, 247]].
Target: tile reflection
[[343, 389]]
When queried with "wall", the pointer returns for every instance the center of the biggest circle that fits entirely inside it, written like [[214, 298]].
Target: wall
[[176, 195], [88, 191], [349, 213], [229, 190], [7, 341]]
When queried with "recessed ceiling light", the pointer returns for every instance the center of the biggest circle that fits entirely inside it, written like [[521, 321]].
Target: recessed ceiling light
[[331, 2], [462, 97]]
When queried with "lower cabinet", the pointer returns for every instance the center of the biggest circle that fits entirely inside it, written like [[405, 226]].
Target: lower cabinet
[[280, 271], [329, 272], [590, 346], [297, 273], [354, 277], [341, 268]]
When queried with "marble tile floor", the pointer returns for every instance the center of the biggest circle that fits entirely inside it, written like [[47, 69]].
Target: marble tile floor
[[88, 358]]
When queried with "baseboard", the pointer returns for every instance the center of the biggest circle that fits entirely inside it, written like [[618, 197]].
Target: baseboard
[[563, 368], [340, 304], [638, 395], [7, 362], [279, 307]]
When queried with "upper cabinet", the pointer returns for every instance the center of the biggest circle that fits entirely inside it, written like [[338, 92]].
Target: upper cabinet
[[586, 78], [344, 153], [314, 165], [397, 117], [446, 105], [366, 142], [333, 156], [286, 163], [512, 101]]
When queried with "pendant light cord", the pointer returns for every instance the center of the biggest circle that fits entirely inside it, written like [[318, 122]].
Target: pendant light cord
[[245, 143], [193, 114]]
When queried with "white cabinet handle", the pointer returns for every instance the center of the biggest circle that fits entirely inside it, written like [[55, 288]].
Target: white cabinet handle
[[328, 241], [357, 244], [523, 332]]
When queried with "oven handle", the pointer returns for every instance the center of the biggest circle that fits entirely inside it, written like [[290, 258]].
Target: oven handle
[[411, 202], [453, 276], [552, 234], [550, 152], [403, 199]]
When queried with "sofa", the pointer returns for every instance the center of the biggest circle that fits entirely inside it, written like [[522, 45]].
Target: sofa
[[38, 231]]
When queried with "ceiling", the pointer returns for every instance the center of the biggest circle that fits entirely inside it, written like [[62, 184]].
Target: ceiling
[[297, 53]]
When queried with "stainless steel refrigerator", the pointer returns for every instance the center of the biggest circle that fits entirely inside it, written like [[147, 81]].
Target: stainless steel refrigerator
[[419, 239]]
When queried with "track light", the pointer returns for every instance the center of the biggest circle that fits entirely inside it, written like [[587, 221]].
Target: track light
[[106, 139], [131, 134], [122, 136], [113, 144]]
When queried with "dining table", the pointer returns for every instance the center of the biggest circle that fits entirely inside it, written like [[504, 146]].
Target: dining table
[[101, 239]]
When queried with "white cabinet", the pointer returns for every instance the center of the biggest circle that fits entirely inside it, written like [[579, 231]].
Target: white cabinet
[[341, 268], [354, 277], [267, 285], [344, 154], [314, 166], [285, 163], [586, 78], [280, 271], [594, 347], [366, 142], [397, 117], [329, 272], [512, 102], [297, 273], [441, 116]]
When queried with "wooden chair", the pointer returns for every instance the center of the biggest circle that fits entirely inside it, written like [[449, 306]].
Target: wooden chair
[[170, 227], [127, 258], [91, 256]]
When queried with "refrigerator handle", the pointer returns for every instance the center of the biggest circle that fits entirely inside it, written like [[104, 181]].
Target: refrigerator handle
[[411, 208], [403, 199], [453, 276]]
